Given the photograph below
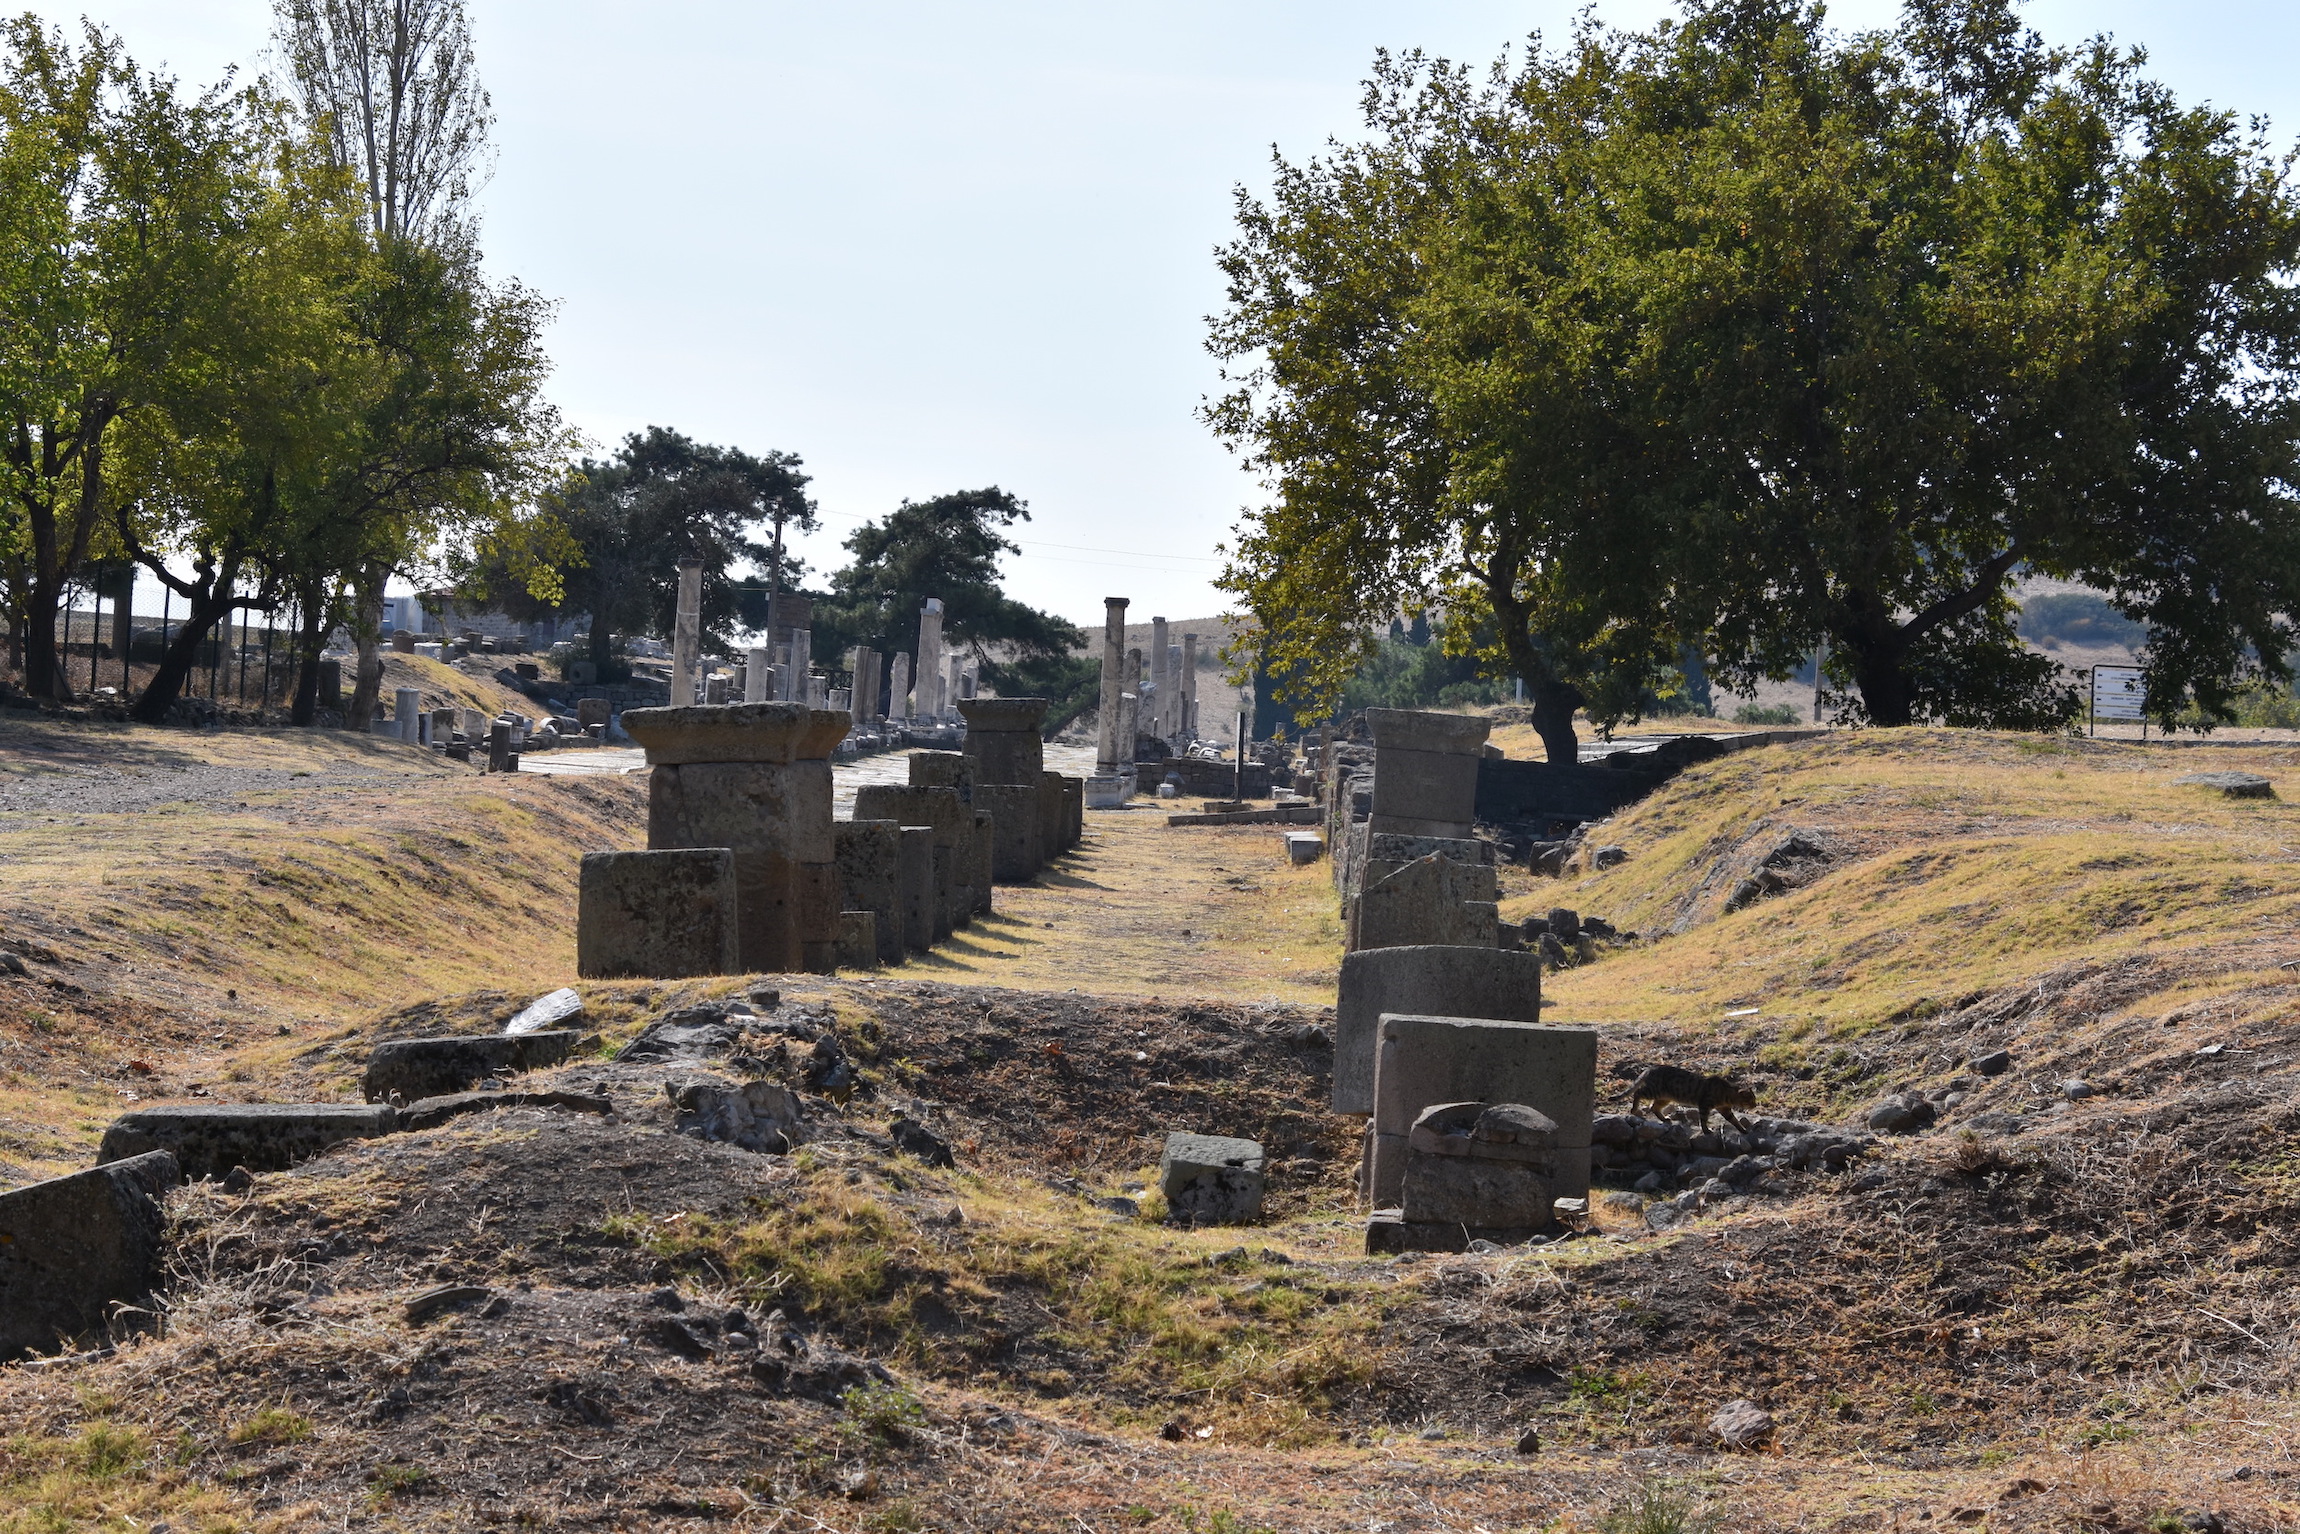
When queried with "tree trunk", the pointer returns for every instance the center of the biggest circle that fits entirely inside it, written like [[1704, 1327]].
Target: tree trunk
[[43, 667], [1879, 649], [367, 623], [599, 639], [1553, 707], [311, 610], [181, 659]]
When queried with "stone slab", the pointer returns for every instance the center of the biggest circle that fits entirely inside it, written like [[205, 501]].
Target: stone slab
[[1421, 1061], [858, 940], [1285, 815], [2234, 785], [1436, 981], [775, 733], [915, 885], [659, 915], [1016, 850], [419, 1068], [210, 1139], [72, 1248], [1389, 1231], [870, 870]]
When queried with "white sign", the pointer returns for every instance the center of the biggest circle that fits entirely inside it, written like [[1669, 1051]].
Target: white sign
[[2118, 692]]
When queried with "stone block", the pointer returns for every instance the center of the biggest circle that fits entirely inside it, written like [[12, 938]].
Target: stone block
[[212, 1138], [1016, 855], [1303, 847], [416, 1068], [915, 885], [1482, 1164], [2234, 785], [1074, 795], [1425, 771], [953, 825], [774, 733], [1432, 902], [591, 711], [1002, 735], [1441, 982], [870, 869], [985, 858], [757, 1115], [1211, 1179], [1053, 817], [73, 1247], [1104, 791], [1422, 1061], [658, 915], [858, 940], [1388, 1231], [943, 769]]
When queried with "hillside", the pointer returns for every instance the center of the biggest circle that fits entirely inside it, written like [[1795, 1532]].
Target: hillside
[[2051, 1311]]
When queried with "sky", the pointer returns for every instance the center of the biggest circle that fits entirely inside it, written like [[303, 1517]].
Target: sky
[[931, 247]]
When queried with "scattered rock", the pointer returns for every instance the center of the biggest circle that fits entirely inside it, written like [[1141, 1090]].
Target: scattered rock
[[2233, 785], [1902, 1115], [431, 1302], [1994, 1063], [828, 1069], [419, 1068], [553, 1007], [1608, 857], [11, 963], [758, 1115], [1211, 1179], [1741, 1424], [2076, 1091], [209, 1140], [73, 1247], [1529, 1442], [431, 1112], [915, 1139], [687, 1034], [1124, 1208]]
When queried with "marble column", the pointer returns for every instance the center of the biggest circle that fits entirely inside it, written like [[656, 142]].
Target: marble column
[[926, 676], [687, 632], [1113, 659]]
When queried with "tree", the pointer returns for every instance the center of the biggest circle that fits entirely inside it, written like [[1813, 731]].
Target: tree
[[122, 209], [629, 520], [947, 547], [1745, 334]]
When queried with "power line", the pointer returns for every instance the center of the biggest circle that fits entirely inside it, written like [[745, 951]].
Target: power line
[[1082, 548]]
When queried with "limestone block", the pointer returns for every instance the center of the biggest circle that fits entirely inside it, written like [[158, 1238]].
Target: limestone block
[[1433, 901], [858, 940], [591, 711], [949, 816], [1425, 771], [416, 1068], [1053, 817], [1211, 1179], [73, 1247], [1074, 794], [1016, 855], [985, 858], [1421, 1060], [1002, 735], [1303, 847], [1105, 791], [915, 886], [211, 1139], [758, 1115], [870, 866], [943, 769], [1435, 981], [778, 733], [816, 897], [658, 915]]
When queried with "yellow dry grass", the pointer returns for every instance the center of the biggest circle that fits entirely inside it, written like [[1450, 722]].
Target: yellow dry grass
[[1143, 908], [1965, 861]]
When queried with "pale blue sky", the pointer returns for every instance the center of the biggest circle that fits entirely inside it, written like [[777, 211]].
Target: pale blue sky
[[936, 246]]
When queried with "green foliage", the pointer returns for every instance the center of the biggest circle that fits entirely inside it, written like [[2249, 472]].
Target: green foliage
[[946, 547], [1070, 684], [273, 1424], [1745, 333], [2081, 618], [1403, 674], [1770, 713], [883, 1413]]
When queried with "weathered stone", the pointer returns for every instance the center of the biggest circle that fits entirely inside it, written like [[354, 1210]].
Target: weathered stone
[[591, 711], [953, 823], [1995, 1063], [943, 769], [418, 1068], [1423, 1060], [915, 885], [72, 1248], [547, 1010], [858, 940], [434, 1111], [915, 1139], [659, 915], [2235, 785], [1480, 1164], [1741, 1424], [758, 1115], [1901, 1115], [1433, 902], [1016, 854], [1074, 796], [688, 1034], [1429, 981], [754, 778], [1053, 817], [1002, 735], [211, 1139], [870, 866], [1303, 847], [985, 859], [1425, 771], [1211, 1179]]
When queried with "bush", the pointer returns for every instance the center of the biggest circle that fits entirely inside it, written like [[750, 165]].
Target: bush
[[2080, 618], [1775, 713]]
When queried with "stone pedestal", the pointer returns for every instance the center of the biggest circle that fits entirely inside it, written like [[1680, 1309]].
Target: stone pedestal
[[1431, 902], [1016, 854], [870, 867], [953, 825], [1425, 771], [1439, 982], [754, 778], [658, 915], [915, 886], [406, 709], [1002, 737], [943, 769], [591, 711], [1423, 1061], [985, 859]]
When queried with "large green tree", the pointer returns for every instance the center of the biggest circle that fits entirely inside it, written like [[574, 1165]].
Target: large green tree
[[1747, 334], [948, 546]]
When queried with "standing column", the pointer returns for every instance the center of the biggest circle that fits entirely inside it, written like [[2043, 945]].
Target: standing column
[[866, 687], [898, 701], [926, 676], [1160, 694], [1173, 708], [1113, 657], [687, 632], [803, 664], [758, 671], [1134, 680], [1190, 686], [952, 692]]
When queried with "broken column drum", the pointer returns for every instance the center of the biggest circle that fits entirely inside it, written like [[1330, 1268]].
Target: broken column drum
[[926, 677], [754, 778]]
